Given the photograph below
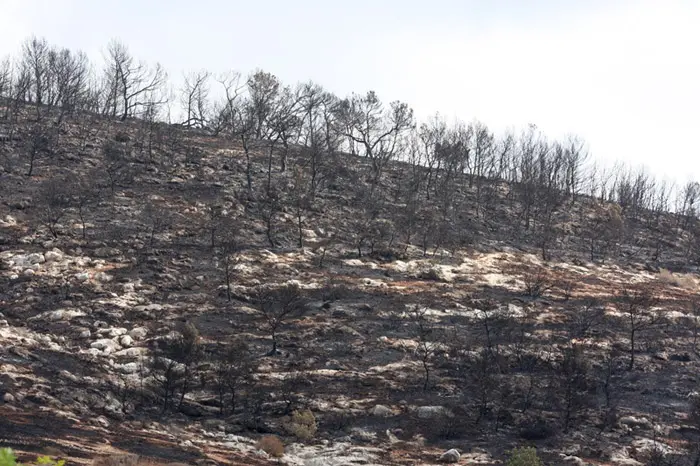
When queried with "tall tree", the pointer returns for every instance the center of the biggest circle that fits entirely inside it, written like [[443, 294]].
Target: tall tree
[[131, 85]]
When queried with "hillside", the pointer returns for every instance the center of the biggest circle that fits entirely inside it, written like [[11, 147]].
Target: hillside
[[177, 294]]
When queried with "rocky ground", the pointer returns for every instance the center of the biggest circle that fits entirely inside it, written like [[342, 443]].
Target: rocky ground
[[517, 350]]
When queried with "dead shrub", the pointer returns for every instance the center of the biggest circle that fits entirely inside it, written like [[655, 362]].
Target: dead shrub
[[537, 282], [681, 281], [301, 424], [272, 445]]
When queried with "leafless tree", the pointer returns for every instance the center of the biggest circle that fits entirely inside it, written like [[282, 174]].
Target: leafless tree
[[54, 201], [131, 85], [195, 99], [637, 306], [263, 91], [35, 54], [428, 346], [232, 372], [378, 130], [226, 238], [37, 143], [278, 306]]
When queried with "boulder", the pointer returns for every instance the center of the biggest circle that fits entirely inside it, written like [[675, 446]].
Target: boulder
[[381, 411], [138, 333], [36, 258], [126, 341], [106, 345], [450, 456], [54, 255], [433, 412], [638, 422]]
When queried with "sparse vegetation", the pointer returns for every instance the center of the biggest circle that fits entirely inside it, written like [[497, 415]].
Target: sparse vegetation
[[524, 456], [271, 445], [301, 424], [284, 249]]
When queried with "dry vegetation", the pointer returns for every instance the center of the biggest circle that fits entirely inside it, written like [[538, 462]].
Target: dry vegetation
[[228, 294]]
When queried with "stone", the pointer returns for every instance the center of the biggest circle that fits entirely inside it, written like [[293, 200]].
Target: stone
[[126, 341], [138, 333], [131, 353], [62, 314], [36, 258], [8, 398], [85, 334], [433, 412], [106, 345], [450, 456], [54, 255], [106, 252], [575, 460], [103, 277], [381, 411], [638, 422], [112, 332], [128, 368]]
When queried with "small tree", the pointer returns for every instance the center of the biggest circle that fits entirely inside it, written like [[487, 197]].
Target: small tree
[[231, 373], [38, 143], [116, 165], [278, 306], [226, 237], [174, 364], [427, 347], [524, 456], [187, 351], [55, 200], [636, 305]]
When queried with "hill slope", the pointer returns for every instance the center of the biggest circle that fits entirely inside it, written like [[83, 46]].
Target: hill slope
[[164, 296]]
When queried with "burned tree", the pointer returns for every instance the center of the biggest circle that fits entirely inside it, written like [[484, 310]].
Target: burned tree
[[277, 306], [636, 305], [131, 85], [365, 121], [194, 99]]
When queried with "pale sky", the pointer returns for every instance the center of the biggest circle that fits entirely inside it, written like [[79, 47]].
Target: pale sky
[[623, 75]]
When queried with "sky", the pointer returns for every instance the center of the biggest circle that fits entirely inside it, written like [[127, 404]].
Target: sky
[[623, 75]]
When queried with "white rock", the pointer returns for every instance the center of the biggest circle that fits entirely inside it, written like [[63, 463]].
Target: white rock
[[85, 334], [60, 314], [381, 411], [632, 421], [112, 332], [82, 276], [432, 412], [102, 421], [126, 341], [106, 345], [54, 255], [138, 333], [103, 277], [29, 273], [450, 456], [8, 398], [36, 258], [132, 353], [128, 368], [575, 460]]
